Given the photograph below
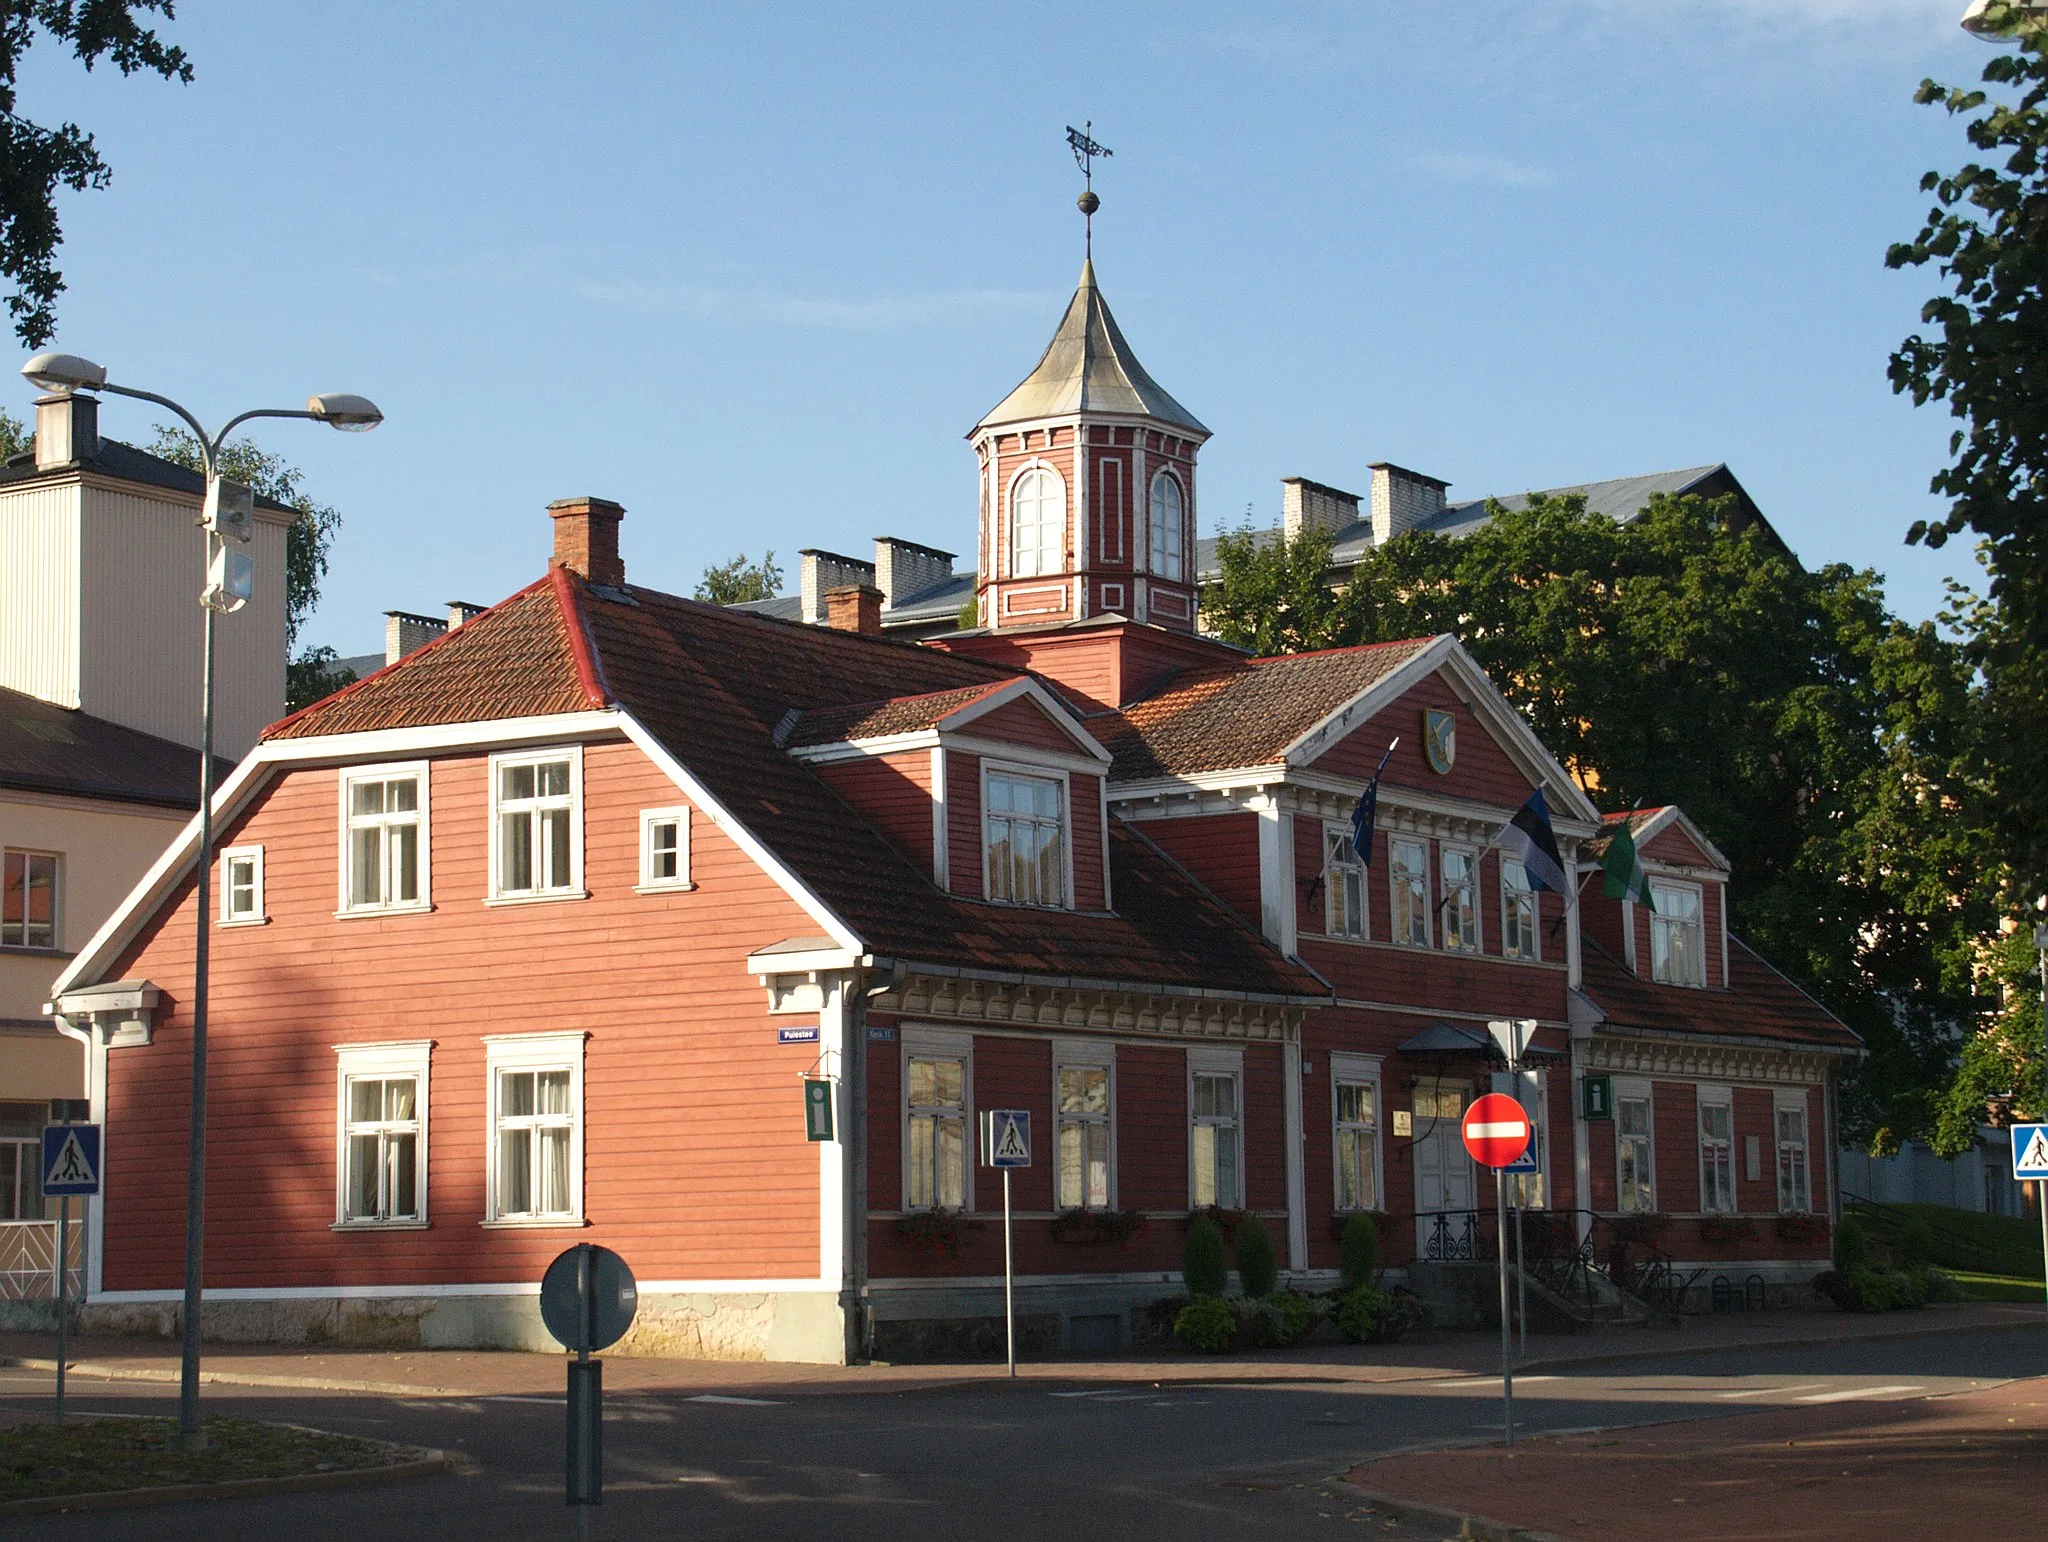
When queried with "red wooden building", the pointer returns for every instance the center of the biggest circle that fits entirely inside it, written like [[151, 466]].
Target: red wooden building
[[531, 938]]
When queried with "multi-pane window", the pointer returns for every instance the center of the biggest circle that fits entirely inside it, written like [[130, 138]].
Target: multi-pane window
[[1677, 949], [1026, 845], [1518, 910], [938, 1133], [536, 1134], [536, 825], [1408, 874], [383, 1144], [384, 839], [1717, 1155], [28, 909], [1083, 1137], [1038, 523], [241, 884], [1356, 1129], [1215, 1140], [1635, 1176], [1795, 1187], [1168, 527], [21, 1180], [1343, 886], [1461, 900], [665, 848]]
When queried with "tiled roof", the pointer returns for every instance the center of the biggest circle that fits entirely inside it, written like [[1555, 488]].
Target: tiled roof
[[1244, 714], [45, 748], [1634, 818], [1760, 1003], [875, 719], [712, 684]]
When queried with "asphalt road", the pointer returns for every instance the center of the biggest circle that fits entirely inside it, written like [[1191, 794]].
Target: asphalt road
[[993, 1463]]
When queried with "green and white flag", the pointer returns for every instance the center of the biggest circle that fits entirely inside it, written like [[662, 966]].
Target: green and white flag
[[1625, 878]]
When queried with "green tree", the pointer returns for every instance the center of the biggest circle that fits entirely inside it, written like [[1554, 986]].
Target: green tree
[[309, 672], [1275, 595], [737, 581], [14, 436], [35, 159]]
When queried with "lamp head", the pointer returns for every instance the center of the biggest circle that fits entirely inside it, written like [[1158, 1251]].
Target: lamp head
[[64, 372], [2013, 18], [338, 409]]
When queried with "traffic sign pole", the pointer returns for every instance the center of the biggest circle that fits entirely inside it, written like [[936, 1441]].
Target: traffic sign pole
[[1497, 1133], [1009, 1280], [63, 1298], [1507, 1364]]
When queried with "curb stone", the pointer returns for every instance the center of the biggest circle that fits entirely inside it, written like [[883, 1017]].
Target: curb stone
[[423, 1464], [231, 1378], [1466, 1528]]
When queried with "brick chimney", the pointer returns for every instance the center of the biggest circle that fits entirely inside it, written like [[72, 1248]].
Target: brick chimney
[[1306, 505], [462, 612], [905, 568], [823, 571], [587, 538], [67, 429], [1402, 499], [403, 632], [854, 608]]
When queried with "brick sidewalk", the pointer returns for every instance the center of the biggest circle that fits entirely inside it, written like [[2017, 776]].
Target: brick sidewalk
[[476, 1373], [1970, 1465]]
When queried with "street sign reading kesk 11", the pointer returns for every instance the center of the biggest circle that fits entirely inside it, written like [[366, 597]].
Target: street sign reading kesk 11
[[2030, 1151]]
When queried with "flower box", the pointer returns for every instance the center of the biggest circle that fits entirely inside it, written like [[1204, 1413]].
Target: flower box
[[1227, 1221], [1726, 1228], [939, 1231], [1800, 1227], [1085, 1227]]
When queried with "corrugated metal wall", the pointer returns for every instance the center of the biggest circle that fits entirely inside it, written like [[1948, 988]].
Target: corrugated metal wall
[[39, 588]]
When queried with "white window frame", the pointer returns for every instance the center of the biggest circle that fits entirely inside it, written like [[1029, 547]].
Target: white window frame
[[1509, 906], [1039, 553], [1530, 1087], [1394, 842], [1453, 929], [423, 815], [1043, 774], [1166, 537], [1715, 1097], [1789, 1100], [573, 889], [650, 883], [1084, 1055], [1354, 1070], [1663, 886], [229, 856], [1345, 877], [56, 941], [939, 1044], [1216, 1062], [533, 1052], [1636, 1092], [388, 1061]]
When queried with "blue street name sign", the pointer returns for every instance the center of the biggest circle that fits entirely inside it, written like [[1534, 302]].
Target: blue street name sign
[[797, 1035], [71, 1159], [2030, 1151]]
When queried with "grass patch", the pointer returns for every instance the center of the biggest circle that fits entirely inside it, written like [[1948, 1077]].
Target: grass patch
[[1964, 1241], [94, 1456], [1998, 1287]]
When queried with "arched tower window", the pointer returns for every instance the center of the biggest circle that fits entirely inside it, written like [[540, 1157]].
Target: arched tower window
[[1169, 554], [1038, 523]]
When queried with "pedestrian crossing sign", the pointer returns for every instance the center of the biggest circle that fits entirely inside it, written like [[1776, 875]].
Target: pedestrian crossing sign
[[71, 1159], [1006, 1137], [2030, 1151]]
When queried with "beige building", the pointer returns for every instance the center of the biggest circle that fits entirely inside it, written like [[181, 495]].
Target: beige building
[[101, 567]]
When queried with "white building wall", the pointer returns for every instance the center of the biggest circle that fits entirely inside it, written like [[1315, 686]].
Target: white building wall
[[39, 590]]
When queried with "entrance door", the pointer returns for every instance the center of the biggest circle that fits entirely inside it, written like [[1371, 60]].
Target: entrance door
[[1444, 1189]]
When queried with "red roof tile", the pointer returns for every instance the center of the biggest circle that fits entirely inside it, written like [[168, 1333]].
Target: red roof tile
[[1760, 1003], [876, 719]]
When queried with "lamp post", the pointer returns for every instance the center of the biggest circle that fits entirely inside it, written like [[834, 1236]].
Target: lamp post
[[226, 589]]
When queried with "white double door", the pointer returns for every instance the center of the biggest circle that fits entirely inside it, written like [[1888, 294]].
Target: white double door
[[1445, 1179]]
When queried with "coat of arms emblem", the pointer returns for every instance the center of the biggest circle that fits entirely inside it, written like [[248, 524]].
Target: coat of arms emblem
[[1439, 739]]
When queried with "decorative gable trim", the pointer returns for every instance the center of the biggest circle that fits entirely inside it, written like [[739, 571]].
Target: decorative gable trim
[[1663, 820]]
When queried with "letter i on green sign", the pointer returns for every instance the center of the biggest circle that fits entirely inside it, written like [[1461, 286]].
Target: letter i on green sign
[[817, 1108]]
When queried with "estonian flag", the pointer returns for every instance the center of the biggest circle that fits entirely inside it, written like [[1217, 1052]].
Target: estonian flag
[[1528, 836], [1368, 812]]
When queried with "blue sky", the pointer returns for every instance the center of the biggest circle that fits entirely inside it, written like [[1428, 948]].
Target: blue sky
[[753, 271]]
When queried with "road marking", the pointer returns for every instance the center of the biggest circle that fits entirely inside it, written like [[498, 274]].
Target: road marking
[[1854, 1392], [1804, 1386], [508, 1397], [737, 1402], [1488, 1381]]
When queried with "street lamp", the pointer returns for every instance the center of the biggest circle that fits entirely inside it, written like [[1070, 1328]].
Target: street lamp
[[226, 516], [2012, 18]]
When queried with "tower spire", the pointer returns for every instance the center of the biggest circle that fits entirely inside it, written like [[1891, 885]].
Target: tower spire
[[1085, 150]]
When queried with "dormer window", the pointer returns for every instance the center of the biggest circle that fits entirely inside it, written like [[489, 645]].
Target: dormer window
[[1169, 506], [1677, 946], [1025, 845], [1038, 523]]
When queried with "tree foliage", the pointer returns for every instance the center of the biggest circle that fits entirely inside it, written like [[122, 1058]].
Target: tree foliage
[[34, 159], [737, 581], [1824, 745], [308, 545]]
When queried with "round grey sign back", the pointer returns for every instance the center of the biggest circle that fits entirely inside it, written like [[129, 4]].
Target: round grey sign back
[[587, 1298]]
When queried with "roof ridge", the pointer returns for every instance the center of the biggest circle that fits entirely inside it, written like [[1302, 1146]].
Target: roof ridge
[[1311, 653], [569, 586], [737, 616]]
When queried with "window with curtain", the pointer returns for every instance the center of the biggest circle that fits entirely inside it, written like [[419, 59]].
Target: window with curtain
[[385, 839], [1717, 1157], [1795, 1188], [1215, 1140], [1408, 874], [1677, 948], [1357, 1130], [1461, 900], [1518, 911], [1083, 1137], [383, 1143], [1038, 523], [937, 1133], [1343, 886], [1635, 1180], [1026, 844], [536, 815]]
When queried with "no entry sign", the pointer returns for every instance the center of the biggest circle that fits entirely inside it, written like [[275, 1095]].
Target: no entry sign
[[1496, 1130]]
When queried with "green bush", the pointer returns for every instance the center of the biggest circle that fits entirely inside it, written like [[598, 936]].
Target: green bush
[[1852, 1248], [1368, 1315], [1256, 1270], [1201, 1259], [1941, 1286], [1886, 1290], [1916, 1243], [1207, 1323], [1302, 1313], [1260, 1323], [1358, 1251]]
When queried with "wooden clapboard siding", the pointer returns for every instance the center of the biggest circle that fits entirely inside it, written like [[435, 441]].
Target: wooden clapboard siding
[[1675, 1120], [963, 823], [894, 794], [695, 1161], [1022, 722], [1481, 769], [1152, 1119], [1222, 850], [1085, 793]]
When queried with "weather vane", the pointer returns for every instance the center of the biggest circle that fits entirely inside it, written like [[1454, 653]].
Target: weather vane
[[1085, 150]]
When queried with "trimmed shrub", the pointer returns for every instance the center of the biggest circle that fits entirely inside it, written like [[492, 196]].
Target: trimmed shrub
[[1368, 1315], [1207, 1323], [1358, 1253], [1260, 1323], [1302, 1313], [1916, 1242], [1256, 1270], [1852, 1247], [1885, 1290], [1202, 1264]]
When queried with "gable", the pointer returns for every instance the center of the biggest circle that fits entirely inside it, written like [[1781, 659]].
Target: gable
[[1482, 769], [1675, 844], [1024, 721]]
